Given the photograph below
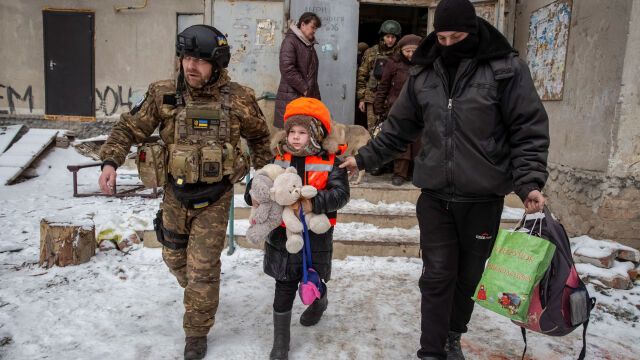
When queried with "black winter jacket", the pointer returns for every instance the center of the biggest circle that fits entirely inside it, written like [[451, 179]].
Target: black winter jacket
[[489, 136], [278, 262]]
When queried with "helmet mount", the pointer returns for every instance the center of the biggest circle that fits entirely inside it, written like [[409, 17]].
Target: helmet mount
[[204, 42]]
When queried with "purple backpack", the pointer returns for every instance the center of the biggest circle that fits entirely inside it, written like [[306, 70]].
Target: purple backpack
[[560, 302]]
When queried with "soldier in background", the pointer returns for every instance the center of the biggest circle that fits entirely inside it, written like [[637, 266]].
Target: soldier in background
[[201, 117], [362, 47], [360, 118], [372, 67]]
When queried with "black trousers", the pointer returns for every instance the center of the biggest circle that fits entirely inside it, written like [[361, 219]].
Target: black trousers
[[456, 239], [286, 292]]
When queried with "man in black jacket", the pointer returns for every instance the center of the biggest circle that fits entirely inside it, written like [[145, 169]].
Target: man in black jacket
[[484, 134]]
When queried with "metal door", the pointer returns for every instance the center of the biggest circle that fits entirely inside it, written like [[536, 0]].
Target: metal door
[[254, 32], [69, 62], [336, 50]]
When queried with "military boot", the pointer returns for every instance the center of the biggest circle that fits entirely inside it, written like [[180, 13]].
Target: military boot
[[312, 315], [281, 335], [452, 346], [195, 347]]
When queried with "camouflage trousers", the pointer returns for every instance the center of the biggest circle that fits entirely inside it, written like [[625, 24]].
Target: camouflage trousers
[[197, 267], [371, 117]]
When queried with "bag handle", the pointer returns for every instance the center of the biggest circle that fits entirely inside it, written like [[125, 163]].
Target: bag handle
[[306, 249], [547, 216]]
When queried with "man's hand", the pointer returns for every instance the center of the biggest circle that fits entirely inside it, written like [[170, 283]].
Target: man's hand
[[254, 203], [534, 202], [306, 206], [107, 180], [351, 165], [361, 106]]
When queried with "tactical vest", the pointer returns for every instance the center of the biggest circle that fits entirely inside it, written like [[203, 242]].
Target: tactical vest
[[206, 142], [377, 69], [316, 172]]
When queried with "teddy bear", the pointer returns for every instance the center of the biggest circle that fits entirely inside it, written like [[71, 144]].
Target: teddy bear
[[268, 214], [287, 190]]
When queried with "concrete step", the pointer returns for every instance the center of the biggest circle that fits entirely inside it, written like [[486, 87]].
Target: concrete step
[[379, 220], [381, 215], [374, 189]]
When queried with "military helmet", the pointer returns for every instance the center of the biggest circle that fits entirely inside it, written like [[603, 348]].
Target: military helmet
[[390, 27], [204, 42]]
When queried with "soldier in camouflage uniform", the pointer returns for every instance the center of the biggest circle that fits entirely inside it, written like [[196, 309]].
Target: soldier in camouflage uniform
[[367, 83], [194, 214]]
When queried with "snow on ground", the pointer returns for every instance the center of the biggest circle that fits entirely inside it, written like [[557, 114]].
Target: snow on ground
[[128, 306]]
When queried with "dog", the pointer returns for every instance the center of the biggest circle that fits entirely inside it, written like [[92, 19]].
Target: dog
[[355, 136]]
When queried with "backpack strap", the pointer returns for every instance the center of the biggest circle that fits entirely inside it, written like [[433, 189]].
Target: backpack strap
[[502, 69], [584, 340], [524, 338]]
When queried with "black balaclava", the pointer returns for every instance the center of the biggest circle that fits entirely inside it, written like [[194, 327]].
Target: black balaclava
[[464, 49], [456, 15]]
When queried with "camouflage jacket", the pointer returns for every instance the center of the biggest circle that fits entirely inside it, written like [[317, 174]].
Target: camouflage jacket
[[366, 87], [134, 127]]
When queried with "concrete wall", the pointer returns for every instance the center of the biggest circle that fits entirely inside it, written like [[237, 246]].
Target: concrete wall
[[594, 184], [581, 123], [132, 49]]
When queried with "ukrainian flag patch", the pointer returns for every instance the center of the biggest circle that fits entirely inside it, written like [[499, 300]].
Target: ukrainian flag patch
[[201, 205], [200, 124]]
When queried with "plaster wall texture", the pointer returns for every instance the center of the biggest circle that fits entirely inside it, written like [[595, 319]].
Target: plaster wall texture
[[581, 123], [625, 160], [594, 183]]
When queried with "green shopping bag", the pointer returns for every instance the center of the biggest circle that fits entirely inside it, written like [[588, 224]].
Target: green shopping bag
[[517, 263]]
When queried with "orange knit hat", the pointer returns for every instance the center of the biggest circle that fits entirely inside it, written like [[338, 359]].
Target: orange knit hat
[[309, 106]]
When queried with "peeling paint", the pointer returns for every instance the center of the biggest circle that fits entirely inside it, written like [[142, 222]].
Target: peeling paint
[[265, 32], [547, 48]]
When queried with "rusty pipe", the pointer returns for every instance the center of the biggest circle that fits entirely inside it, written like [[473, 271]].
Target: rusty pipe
[[286, 15], [117, 9]]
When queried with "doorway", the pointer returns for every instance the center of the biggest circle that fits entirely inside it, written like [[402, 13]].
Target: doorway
[[69, 64], [412, 19]]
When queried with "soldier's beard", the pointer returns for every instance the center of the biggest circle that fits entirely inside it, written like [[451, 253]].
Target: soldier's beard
[[195, 80], [198, 81]]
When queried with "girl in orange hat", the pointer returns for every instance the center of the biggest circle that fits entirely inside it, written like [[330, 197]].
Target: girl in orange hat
[[307, 144]]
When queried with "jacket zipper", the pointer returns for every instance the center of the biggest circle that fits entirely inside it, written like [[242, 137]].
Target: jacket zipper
[[449, 148], [456, 82]]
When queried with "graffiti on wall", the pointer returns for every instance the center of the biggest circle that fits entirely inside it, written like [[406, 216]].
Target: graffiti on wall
[[116, 100], [11, 96], [109, 101], [547, 48]]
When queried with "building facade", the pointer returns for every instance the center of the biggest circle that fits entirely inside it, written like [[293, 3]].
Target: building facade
[[78, 64]]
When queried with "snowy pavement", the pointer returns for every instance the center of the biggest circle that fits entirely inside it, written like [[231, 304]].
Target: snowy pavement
[[128, 306]]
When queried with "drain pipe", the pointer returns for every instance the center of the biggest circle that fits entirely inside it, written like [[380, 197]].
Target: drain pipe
[[117, 9], [286, 15]]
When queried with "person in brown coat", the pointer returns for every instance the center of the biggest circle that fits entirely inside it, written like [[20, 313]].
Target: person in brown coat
[[396, 72], [298, 65]]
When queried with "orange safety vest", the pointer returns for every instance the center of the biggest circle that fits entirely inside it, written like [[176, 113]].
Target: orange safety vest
[[316, 172]]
